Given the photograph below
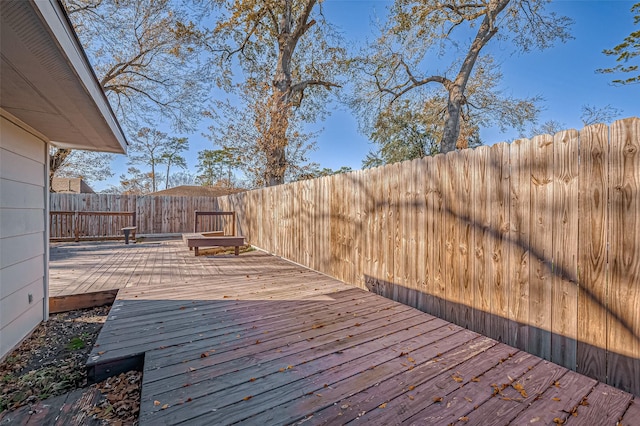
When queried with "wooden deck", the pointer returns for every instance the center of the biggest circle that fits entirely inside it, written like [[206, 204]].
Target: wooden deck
[[259, 340]]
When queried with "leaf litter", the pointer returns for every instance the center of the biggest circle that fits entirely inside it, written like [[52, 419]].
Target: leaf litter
[[51, 362]]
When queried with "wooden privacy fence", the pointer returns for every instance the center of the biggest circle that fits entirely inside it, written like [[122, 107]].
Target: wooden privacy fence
[[88, 225], [536, 243], [154, 214]]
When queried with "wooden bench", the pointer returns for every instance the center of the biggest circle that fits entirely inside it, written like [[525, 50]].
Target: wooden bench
[[212, 239], [129, 230]]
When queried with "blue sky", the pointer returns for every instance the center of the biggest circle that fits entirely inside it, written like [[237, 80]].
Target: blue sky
[[563, 75]]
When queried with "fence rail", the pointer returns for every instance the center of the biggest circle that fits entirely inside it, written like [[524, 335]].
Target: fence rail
[[536, 243], [154, 214], [88, 225]]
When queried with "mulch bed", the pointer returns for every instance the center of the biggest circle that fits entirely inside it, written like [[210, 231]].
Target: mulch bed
[[51, 362]]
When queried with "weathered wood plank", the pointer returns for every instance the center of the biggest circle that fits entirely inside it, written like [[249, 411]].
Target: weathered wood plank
[[284, 335], [633, 412], [466, 244], [604, 405], [520, 181], [431, 195], [540, 278], [592, 252], [275, 383], [451, 205], [498, 271], [81, 301], [623, 358], [420, 220], [461, 398], [564, 293], [412, 392], [558, 401], [482, 223]]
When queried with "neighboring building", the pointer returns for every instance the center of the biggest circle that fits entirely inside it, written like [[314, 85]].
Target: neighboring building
[[49, 95], [197, 191], [70, 186]]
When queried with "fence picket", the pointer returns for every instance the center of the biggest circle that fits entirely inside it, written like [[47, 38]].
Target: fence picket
[[564, 290], [624, 291]]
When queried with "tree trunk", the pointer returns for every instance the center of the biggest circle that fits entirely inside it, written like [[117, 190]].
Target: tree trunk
[[451, 130], [276, 143], [457, 87], [166, 184], [276, 140], [56, 161]]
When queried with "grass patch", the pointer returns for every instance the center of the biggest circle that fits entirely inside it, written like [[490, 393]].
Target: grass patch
[[212, 251]]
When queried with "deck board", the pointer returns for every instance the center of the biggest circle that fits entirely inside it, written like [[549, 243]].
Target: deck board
[[259, 340]]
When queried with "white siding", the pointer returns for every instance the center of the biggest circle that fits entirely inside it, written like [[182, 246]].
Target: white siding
[[22, 233]]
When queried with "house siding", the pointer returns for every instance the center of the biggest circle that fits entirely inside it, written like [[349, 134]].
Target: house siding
[[23, 242]]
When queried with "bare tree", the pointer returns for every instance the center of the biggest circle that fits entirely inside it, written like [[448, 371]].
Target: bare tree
[[171, 155], [420, 35], [146, 55], [148, 148], [288, 53]]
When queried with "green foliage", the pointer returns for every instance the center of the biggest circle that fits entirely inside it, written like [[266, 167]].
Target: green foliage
[[76, 343], [216, 166], [315, 172], [626, 53], [151, 148], [171, 155]]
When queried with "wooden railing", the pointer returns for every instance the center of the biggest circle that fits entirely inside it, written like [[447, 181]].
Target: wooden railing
[[214, 221], [88, 225]]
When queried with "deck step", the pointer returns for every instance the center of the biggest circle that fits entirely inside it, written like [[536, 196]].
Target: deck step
[[72, 302]]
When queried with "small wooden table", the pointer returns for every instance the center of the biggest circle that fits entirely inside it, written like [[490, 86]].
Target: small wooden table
[[129, 230]]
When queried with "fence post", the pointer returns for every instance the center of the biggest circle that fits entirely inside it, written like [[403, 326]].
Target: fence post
[[76, 220]]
